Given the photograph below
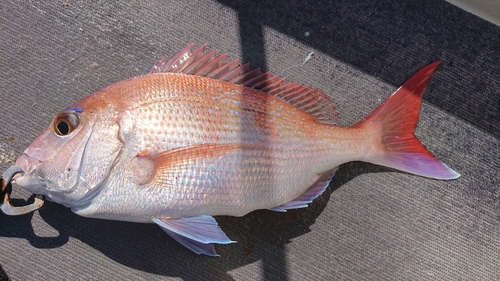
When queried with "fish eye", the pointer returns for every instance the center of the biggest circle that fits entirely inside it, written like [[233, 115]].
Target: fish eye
[[65, 123]]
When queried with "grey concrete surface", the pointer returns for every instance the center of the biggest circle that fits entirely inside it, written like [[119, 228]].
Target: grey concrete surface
[[372, 223]]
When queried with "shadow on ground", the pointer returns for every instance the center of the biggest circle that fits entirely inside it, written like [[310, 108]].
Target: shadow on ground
[[261, 235]]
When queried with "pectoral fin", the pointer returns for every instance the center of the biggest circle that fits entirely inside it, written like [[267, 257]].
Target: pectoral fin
[[195, 233], [150, 167]]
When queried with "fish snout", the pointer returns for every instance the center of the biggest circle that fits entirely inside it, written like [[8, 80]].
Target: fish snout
[[27, 164], [27, 178]]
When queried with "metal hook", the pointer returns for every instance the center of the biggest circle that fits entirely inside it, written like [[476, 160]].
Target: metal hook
[[5, 205]]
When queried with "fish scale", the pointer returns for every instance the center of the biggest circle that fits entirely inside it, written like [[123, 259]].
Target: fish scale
[[177, 121], [200, 137]]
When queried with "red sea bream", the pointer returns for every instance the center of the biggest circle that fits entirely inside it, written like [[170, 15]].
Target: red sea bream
[[199, 137]]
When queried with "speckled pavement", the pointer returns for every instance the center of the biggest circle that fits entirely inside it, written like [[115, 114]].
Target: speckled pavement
[[372, 223]]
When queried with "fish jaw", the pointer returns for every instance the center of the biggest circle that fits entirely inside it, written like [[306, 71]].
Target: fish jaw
[[28, 180], [31, 182], [27, 164]]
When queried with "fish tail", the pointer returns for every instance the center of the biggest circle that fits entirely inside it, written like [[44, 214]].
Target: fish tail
[[394, 123]]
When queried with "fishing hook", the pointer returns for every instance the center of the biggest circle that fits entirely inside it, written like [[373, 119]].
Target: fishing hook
[[6, 186]]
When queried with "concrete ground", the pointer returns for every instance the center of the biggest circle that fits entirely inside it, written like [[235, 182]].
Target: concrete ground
[[486, 9], [372, 223]]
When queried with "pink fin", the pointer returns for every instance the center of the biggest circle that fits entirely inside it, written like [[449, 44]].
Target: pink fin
[[195, 233], [165, 162], [178, 62], [312, 193], [396, 120], [305, 98], [170, 157]]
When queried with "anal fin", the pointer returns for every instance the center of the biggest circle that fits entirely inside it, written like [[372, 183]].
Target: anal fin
[[195, 233], [312, 193]]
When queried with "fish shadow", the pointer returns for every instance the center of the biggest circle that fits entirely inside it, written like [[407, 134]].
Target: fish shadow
[[261, 235]]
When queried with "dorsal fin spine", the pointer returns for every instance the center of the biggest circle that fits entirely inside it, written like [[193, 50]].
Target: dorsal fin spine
[[300, 96], [235, 72], [220, 71], [200, 62], [191, 62], [171, 65], [242, 78], [269, 87], [260, 84], [305, 98], [252, 83], [213, 64]]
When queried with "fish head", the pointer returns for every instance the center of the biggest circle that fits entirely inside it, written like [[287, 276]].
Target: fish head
[[59, 162]]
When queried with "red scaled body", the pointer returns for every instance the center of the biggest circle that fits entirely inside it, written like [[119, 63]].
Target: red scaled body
[[200, 137]]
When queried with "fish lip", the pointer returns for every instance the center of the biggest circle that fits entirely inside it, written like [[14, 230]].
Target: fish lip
[[27, 163], [28, 166], [6, 189]]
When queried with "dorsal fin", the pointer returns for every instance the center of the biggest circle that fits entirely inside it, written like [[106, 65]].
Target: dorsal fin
[[305, 98]]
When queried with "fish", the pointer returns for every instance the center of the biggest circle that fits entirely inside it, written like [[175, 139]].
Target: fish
[[201, 136]]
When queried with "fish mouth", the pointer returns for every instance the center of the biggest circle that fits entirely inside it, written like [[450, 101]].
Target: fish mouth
[[28, 179], [10, 174], [27, 164]]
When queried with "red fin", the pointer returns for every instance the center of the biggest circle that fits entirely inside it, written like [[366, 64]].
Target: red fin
[[305, 98], [396, 120]]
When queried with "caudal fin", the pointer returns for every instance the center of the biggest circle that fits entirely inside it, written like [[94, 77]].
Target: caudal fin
[[395, 120]]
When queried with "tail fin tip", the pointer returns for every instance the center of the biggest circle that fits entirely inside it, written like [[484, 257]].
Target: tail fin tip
[[418, 164], [396, 120]]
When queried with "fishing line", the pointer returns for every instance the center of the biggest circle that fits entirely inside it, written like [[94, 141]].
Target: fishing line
[[308, 58]]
